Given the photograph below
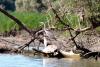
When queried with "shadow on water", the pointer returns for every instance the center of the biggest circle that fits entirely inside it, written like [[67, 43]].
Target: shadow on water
[[7, 60]]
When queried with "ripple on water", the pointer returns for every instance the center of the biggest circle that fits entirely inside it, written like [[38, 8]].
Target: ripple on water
[[7, 60]]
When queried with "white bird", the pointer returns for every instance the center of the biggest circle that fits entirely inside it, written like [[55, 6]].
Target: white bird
[[45, 42], [48, 48], [48, 33]]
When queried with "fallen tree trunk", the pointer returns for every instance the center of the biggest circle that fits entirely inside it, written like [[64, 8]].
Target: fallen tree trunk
[[56, 54]]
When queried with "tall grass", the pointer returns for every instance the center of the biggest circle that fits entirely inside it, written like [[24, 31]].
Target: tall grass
[[30, 19]]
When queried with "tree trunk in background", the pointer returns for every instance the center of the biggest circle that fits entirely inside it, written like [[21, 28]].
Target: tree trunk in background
[[30, 5]]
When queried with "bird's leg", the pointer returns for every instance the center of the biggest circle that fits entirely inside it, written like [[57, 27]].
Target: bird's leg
[[38, 45]]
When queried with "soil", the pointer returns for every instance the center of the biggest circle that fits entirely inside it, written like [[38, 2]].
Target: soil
[[13, 42]]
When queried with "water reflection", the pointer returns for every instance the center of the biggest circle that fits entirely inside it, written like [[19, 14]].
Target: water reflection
[[69, 62], [53, 62], [7, 60]]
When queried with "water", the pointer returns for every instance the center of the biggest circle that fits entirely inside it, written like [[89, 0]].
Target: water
[[7, 60]]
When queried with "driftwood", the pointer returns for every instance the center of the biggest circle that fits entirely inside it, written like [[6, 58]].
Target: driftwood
[[95, 24], [92, 54], [21, 25], [56, 54], [66, 25], [87, 52]]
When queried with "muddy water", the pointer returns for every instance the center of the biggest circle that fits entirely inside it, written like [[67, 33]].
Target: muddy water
[[7, 60]]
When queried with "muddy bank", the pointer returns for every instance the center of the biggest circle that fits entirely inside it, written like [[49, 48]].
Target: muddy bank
[[89, 40], [10, 43]]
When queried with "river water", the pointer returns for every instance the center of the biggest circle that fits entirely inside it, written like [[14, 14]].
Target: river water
[[7, 60]]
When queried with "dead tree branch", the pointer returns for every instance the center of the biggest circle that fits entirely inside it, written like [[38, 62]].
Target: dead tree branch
[[32, 33], [58, 18], [69, 29], [25, 45], [16, 20]]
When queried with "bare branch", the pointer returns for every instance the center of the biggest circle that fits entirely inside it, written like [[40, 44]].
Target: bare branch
[[16, 20]]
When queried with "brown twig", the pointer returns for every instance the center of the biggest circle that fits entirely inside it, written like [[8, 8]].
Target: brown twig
[[69, 29]]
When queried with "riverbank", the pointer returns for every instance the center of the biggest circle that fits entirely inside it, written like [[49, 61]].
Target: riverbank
[[12, 44]]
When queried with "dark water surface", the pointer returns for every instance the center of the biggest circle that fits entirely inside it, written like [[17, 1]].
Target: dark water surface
[[7, 60]]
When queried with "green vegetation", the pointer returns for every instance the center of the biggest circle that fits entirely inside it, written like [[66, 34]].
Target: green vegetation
[[27, 13], [30, 19]]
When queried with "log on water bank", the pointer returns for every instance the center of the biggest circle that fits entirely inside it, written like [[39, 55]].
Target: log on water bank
[[59, 54], [56, 54], [69, 54]]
